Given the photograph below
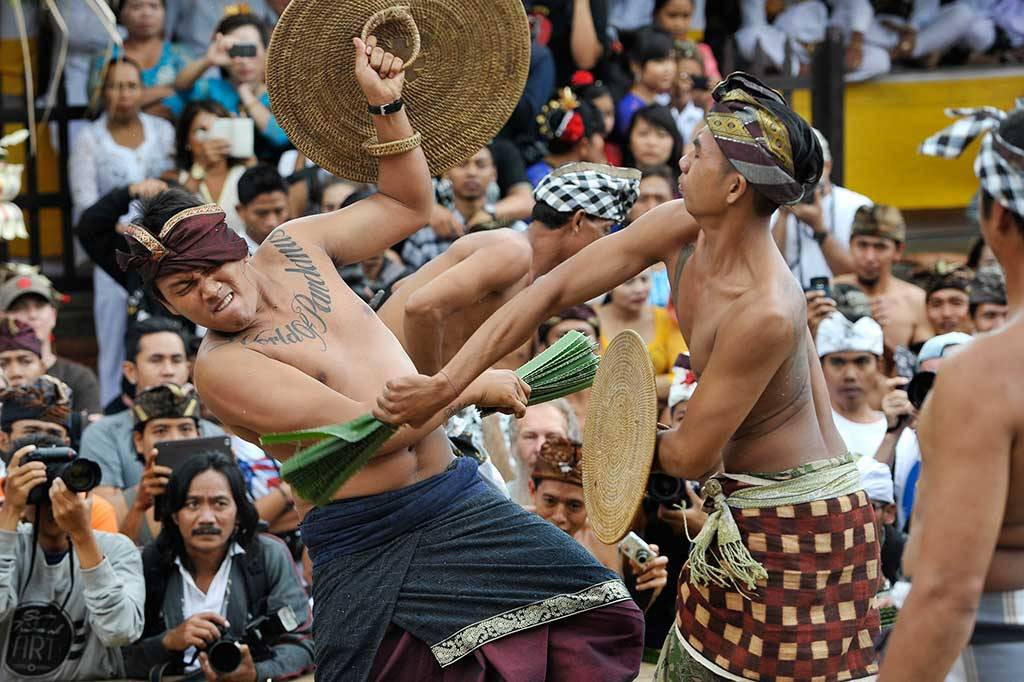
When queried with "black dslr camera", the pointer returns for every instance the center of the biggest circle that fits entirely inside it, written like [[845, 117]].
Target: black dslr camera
[[667, 490], [79, 475], [225, 655]]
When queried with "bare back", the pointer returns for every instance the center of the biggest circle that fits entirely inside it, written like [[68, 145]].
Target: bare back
[[314, 323], [477, 275], [787, 425]]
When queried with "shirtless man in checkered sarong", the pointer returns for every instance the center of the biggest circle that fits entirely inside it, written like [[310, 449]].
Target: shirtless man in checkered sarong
[[781, 581]]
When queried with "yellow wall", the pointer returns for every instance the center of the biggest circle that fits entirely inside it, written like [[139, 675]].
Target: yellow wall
[[886, 120]]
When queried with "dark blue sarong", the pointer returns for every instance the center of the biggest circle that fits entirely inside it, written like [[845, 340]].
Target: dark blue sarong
[[448, 560]]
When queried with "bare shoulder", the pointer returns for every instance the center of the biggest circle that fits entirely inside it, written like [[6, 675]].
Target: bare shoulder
[[765, 315], [911, 291], [989, 364], [507, 240]]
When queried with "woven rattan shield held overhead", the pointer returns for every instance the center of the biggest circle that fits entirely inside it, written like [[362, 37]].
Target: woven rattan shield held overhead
[[619, 436], [466, 66]]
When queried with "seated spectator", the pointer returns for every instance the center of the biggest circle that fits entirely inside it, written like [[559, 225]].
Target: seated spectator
[[121, 147], [777, 34], [583, 319], [923, 30], [878, 237], [676, 17], [469, 182], [862, 60], [262, 203], [988, 305], [156, 355], [37, 413], [599, 95], [814, 236], [575, 32], [204, 167], [876, 479], [653, 140], [211, 572], [160, 59], [573, 130], [241, 87], [627, 307], [850, 354], [190, 23], [947, 302], [556, 486], [900, 449], [65, 618], [528, 434], [653, 65], [167, 412], [20, 353], [691, 91], [33, 300]]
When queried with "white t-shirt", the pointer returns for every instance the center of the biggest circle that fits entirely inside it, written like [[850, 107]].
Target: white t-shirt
[[196, 601], [861, 439], [802, 253]]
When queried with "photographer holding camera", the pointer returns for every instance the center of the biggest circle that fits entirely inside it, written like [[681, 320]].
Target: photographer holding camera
[[69, 595], [223, 601]]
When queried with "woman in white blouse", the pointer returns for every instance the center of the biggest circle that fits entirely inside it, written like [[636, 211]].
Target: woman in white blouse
[[204, 165], [121, 147]]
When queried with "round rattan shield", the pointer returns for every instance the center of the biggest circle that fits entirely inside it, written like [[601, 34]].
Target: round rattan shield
[[619, 437], [467, 75]]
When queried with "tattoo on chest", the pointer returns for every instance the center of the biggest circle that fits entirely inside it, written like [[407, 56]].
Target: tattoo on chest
[[309, 308]]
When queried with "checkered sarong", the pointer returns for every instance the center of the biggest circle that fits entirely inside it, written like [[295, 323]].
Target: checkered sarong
[[815, 616], [999, 166]]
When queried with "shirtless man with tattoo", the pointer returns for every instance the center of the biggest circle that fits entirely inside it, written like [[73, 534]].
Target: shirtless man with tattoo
[[290, 347], [434, 311], [761, 406], [962, 619]]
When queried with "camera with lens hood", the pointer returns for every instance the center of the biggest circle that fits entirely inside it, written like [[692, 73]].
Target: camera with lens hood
[[80, 475], [261, 634]]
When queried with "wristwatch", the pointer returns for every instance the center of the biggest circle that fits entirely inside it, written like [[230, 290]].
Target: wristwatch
[[820, 237], [385, 109]]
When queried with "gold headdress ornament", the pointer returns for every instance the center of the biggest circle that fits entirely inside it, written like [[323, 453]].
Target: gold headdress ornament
[[155, 244], [566, 102], [239, 8]]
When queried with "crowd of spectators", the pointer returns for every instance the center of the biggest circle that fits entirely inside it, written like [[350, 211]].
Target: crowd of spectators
[[622, 82]]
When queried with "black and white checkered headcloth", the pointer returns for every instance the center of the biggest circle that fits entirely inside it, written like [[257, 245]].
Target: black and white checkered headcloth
[[999, 166], [598, 190]]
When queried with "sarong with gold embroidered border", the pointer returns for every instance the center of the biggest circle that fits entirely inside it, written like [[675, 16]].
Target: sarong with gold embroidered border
[[782, 579]]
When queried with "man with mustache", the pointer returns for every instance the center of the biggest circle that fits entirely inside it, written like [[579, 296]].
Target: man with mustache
[[209, 573]]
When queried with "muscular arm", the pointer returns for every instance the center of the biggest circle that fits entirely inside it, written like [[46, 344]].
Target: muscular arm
[[598, 268], [952, 552], [225, 379], [731, 384], [489, 269], [834, 444]]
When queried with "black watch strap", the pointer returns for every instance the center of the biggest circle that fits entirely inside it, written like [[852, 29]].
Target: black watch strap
[[385, 109], [820, 237]]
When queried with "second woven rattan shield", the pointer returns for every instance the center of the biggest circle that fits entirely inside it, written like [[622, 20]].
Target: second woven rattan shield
[[619, 437], [469, 70]]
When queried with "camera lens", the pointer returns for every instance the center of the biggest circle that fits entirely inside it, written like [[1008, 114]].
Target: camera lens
[[81, 475], [664, 488], [225, 656]]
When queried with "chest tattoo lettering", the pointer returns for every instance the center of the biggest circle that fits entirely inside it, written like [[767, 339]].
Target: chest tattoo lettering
[[309, 307]]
